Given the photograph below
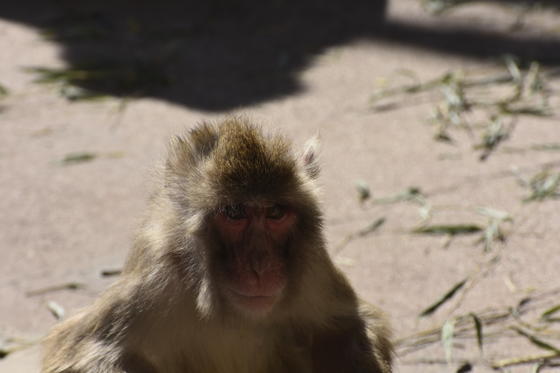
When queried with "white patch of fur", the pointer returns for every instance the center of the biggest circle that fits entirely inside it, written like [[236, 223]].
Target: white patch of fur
[[309, 157], [97, 357]]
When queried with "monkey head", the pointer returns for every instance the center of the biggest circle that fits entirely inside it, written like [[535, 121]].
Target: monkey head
[[251, 199]]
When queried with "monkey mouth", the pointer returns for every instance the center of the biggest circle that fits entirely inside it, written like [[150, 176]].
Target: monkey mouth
[[254, 302]]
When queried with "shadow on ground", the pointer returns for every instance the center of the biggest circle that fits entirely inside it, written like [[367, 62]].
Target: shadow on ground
[[219, 55]]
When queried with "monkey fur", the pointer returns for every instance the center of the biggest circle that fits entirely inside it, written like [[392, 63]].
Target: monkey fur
[[206, 289]]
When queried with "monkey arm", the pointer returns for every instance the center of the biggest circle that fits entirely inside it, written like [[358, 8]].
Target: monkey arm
[[346, 347], [356, 338], [73, 347], [98, 339]]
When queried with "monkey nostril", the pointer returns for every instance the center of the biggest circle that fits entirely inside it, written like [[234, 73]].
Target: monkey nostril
[[259, 266], [260, 261]]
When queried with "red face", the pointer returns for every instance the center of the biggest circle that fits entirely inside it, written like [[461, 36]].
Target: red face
[[255, 237]]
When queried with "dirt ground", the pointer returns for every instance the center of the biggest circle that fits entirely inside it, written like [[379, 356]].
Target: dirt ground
[[447, 214]]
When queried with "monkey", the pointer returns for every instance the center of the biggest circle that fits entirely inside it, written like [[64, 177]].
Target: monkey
[[229, 273]]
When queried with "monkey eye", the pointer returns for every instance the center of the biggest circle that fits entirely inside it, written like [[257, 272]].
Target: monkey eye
[[235, 212], [275, 212]]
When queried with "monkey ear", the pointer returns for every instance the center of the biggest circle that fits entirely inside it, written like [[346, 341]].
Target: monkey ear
[[310, 156], [179, 155]]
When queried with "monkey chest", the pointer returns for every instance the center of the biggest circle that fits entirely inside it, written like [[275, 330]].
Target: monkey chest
[[238, 353]]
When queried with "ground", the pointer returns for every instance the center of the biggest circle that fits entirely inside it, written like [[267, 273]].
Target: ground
[[417, 215]]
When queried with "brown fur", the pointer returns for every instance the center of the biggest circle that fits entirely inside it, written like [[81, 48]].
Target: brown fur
[[166, 314]]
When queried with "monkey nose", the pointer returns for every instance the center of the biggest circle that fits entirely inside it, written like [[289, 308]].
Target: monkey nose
[[259, 263]]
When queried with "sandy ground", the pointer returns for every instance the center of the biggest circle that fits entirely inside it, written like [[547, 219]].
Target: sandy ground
[[61, 224]]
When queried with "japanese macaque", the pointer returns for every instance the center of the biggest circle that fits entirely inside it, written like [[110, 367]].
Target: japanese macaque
[[228, 274]]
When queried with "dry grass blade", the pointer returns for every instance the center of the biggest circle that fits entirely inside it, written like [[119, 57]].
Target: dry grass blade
[[111, 272], [79, 157], [133, 78], [47, 75], [454, 94], [494, 214], [547, 315], [361, 233], [451, 112], [447, 296], [536, 341], [447, 332], [545, 364], [514, 71], [544, 185], [3, 91], [409, 88], [48, 289], [363, 190], [370, 228], [479, 334], [11, 345], [524, 360], [493, 230], [536, 80], [411, 194], [448, 229], [465, 99], [496, 132], [546, 147], [530, 95], [493, 324], [56, 309], [463, 327]]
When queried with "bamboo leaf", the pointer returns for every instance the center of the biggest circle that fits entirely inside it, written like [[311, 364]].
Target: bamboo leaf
[[363, 190], [431, 309], [48, 289], [544, 184], [371, 228], [79, 157], [447, 332], [56, 309], [111, 272], [547, 315], [450, 229], [478, 328], [536, 341]]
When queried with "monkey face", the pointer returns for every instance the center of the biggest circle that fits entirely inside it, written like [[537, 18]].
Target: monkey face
[[254, 238]]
